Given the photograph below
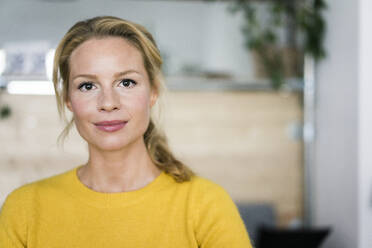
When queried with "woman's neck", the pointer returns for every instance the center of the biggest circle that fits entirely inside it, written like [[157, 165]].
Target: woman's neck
[[118, 171]]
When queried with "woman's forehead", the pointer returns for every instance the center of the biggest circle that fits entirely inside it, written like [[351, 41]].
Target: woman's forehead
[[109, 53]]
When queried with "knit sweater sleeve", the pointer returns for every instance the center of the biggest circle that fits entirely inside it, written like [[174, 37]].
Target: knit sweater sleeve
[[218, 222], [13, 220]]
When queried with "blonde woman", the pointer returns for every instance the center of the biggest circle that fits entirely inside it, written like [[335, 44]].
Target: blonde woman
[[132, 192]]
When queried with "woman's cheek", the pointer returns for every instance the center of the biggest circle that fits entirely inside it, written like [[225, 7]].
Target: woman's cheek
[[143, 105], [136, 102], [82, 108]]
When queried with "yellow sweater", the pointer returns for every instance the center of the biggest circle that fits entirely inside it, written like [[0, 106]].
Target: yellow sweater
[[60, 211]]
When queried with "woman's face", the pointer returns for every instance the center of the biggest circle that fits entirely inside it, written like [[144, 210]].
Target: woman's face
[[108, 82]]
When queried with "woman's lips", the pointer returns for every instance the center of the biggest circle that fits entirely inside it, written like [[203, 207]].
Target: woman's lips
[[110, 126]]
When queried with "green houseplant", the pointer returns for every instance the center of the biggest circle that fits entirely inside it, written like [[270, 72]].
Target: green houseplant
[[5, 110], [290, 29]]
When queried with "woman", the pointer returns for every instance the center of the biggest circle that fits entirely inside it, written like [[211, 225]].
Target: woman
[[132, 192]]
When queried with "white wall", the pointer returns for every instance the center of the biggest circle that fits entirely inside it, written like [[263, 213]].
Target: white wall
[[195, 33], [342, 173], [223, 44], [365, 124]]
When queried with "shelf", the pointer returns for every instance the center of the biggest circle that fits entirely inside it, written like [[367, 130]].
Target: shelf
[[206, 84]]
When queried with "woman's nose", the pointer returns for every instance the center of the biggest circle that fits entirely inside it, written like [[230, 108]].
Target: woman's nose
[[109, 100]]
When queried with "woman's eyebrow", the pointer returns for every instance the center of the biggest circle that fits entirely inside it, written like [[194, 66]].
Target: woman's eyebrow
[[92, 76], [119, 74]]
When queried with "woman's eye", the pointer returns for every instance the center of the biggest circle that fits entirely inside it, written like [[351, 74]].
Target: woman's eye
[[85, 86], [128, 83]]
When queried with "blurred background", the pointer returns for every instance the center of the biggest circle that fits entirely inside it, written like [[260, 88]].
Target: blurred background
[[270, 99]]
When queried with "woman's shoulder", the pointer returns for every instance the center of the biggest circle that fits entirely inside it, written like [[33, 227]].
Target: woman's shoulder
[[204, 183], [25, 191], [206, 189]]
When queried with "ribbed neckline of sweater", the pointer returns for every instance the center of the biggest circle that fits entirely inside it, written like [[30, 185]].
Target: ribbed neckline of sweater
[[113, 200]]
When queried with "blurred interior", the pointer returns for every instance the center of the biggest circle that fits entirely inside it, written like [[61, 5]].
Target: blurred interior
[[220, 114]]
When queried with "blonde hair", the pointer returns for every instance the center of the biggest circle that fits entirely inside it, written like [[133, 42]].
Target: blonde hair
[[139, 37]]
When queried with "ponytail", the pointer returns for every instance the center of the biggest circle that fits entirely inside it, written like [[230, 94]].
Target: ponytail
[[157, 146]]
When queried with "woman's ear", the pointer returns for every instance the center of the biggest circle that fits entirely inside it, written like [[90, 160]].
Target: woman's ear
[[153, 97], [68, 104]]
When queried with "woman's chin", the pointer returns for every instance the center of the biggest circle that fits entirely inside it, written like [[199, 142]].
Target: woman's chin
[[112, 144]]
